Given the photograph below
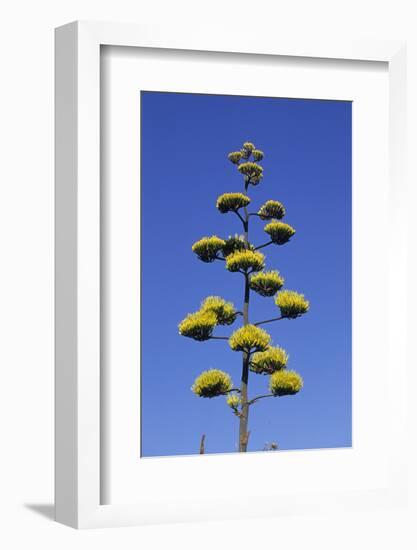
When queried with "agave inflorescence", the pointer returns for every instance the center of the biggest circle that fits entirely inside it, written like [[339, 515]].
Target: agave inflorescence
[[245, 261], [269, 361], [246, 162], [249, 338], [266, 283], [247, 149], [279, 232], [235, 156], [252, 171], [231, 202], [225, 311], [214, 311], [257, 154], [240, 255], [212, 383], [233, 401], [207, 248], [285, 382], [270, 210], [291, 303], [199, 325], [233, 244]]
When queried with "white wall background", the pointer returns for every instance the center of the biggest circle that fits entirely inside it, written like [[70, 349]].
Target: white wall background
[[26, 272]]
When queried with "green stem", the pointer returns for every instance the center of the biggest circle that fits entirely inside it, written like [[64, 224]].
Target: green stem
[[269, 321], [252, 401], [263, 245]]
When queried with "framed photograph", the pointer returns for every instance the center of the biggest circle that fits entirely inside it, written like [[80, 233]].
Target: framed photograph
[[230, 290]]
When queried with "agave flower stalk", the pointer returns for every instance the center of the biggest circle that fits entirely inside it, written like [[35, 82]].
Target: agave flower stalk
[[259, 356]]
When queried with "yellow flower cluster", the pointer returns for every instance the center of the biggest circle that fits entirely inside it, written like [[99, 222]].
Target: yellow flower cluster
[[233, 401], [225, 311], [212, 383], [252, 171], [266, 283], [199, 325], [245, 261], [233, 244], [249, 338], [269, 361], [279, 232], [234, 157], [214, 311], [248, 146], [249, 155], [271, 209], [247, 149], [257, 154], [231, 202], [291, 303], [207, 248], [285, 382]]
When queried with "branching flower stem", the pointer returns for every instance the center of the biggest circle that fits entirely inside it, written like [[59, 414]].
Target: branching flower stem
[[252, 401], [263, 245], [240, 216], [268, 321]]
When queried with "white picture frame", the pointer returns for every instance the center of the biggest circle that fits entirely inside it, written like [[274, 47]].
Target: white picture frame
[[78, 260]]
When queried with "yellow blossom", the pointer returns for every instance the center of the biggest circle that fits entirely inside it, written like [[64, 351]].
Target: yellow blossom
[[245, 261], [269, 361], [249, 338], [231, 202], [285, 382], [266, 283], [225, 311], [208, 248], [270, 210], [291, 303], [279, 232], [199, 325], [212, 383]]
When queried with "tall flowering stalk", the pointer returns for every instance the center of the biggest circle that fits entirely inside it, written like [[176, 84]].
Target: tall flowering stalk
[[239, 255]]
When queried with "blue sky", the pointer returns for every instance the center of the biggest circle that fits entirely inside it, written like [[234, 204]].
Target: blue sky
[[307, 166]]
